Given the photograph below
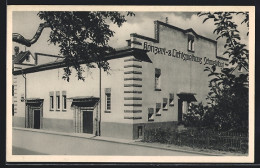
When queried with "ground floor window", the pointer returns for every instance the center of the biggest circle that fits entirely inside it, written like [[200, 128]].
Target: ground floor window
[[158, 109], [150, 114]]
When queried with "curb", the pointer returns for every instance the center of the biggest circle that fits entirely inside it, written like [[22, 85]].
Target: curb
[[93, 137]]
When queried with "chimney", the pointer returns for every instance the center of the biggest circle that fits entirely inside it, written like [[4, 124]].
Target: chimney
[[16, 50], [166, 20]]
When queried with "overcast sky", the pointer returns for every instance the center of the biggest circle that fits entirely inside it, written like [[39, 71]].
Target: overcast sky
[[26, 23]]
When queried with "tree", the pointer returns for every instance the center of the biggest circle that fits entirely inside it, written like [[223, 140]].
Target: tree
[[228, 96], [81, 36]]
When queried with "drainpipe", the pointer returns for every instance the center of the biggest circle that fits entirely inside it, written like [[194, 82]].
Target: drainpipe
[[99, 101], [25, 95]]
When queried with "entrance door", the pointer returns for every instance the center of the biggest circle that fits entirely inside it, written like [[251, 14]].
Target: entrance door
[[88, 122], [36, 119], [180, 110]]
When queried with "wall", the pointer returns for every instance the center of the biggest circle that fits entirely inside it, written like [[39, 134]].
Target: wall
[[177, 75], [39, 85]]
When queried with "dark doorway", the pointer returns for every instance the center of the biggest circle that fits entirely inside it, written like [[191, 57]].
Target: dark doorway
[[180, 110], [37, 119], [140, 131], [88, 122]]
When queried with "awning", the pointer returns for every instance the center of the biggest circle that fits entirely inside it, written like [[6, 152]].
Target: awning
[[81, 101], [187, 96]]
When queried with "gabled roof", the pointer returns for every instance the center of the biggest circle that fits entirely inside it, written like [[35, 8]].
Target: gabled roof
[[191, 30], [19, 58]]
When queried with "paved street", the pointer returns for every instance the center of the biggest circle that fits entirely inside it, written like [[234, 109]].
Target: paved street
[[35, 143]]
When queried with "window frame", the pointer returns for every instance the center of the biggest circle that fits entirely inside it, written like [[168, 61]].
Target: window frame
[[150, 112], [64, 102], [158, 109], [166, 106], [191, 43], [51, 102], [57, 102], [108, 104]]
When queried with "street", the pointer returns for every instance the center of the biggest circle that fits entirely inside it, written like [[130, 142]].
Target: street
[[37, 143]]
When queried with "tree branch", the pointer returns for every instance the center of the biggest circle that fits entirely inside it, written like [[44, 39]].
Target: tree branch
[[20, 39]]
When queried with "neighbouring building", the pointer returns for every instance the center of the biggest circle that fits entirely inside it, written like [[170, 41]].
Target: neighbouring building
[[150, 84]]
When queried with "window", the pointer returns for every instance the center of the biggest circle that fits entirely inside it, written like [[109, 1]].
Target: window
[[150, 114], [158, 109], [190, 42], [64, 101], [108, 99], [157, 79], [57, 102], [51, 103], [140, 131], [165, 104], [51, 94], [13, 109], [171, 99], [12, 90], [28, 58]]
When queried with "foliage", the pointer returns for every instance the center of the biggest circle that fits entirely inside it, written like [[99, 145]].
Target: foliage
[[227, 28], [195, 115], [227, 106], [82, 37]]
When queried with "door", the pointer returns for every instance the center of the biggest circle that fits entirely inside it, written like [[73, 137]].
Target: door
[[36, 119], [180, 110], [88, 122]]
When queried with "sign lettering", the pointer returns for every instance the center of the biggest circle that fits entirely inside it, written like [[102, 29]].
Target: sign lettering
[[181, 55]]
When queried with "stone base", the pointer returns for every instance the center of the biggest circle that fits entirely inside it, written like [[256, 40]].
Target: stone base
[[60, 125], [18, 121]]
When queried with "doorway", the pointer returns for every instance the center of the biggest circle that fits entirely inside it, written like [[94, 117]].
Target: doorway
[[180, 110], [88, 122], [36, 119], [34, 113]]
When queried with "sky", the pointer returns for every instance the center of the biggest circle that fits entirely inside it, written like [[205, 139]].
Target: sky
[[26, 23]]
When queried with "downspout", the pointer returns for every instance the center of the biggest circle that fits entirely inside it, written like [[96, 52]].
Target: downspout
[[25, 96], [99, 101]]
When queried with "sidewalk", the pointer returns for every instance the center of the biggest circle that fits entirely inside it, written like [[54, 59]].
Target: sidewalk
[[135, 143]]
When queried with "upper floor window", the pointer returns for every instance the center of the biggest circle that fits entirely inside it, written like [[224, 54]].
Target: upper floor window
[[28, 58], [108, 99], [190, 43], [157, 79]]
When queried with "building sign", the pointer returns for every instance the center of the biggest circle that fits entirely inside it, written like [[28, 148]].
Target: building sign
[[181, 55]]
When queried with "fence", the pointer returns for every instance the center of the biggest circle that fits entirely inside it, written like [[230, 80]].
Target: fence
[[209, 139]]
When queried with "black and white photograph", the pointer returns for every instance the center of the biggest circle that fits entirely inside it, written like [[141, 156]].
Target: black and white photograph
[[130, 84]]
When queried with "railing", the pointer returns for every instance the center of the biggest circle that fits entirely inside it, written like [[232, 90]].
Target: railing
[[207, 139]]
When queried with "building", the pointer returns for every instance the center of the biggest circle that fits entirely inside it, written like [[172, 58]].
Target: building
[[151, 83]]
